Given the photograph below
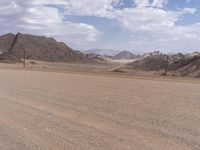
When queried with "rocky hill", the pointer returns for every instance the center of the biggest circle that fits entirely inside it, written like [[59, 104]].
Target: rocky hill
[[178, 64], [187, 66], [6, 42], [148, 62], [125, 55], [13, 47]]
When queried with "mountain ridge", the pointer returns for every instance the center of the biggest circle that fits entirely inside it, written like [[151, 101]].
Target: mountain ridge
[[125, 55], [177, 64], [38, 48], [106, 52]]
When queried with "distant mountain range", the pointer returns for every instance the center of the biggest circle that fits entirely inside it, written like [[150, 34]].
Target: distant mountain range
[[177, 64], [125, 55], [106, 52], [113, 54], [14, 47]]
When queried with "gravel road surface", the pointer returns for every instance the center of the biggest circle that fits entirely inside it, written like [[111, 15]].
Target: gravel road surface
[[57, 111]]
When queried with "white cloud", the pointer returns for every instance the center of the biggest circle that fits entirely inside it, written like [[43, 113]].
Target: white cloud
[[159, 3], [146, 17], [142, 3], [100, 8], [189, 10], [35, 17], [149, 19]]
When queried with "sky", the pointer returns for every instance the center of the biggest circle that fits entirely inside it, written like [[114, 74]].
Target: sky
[[138, 26]]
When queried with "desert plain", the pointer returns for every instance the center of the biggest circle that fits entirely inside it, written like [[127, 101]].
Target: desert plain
[[52, 110]]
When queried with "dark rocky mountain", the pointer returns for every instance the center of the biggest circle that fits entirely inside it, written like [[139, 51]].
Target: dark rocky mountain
[[178, 64], [6, 42], [188, 66], [125, 55], [149, 62], [13, 47]]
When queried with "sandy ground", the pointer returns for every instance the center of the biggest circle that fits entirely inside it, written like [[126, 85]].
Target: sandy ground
[[55, 111], [94, 69]]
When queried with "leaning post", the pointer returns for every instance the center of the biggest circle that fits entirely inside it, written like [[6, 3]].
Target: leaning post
[[24, 59], [166, 67]]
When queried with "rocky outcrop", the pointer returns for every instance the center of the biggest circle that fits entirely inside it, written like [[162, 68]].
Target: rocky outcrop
[[38, 48]]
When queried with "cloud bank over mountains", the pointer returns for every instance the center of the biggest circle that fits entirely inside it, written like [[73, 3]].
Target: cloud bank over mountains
[[149, 24]]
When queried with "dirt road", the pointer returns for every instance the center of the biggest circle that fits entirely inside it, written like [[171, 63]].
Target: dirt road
[[56, 111]]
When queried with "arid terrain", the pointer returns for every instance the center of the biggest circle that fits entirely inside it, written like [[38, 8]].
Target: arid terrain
[[100, 75], [46, 52], [52, 110]]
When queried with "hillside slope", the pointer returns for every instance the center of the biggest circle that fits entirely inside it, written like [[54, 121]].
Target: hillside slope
[[125, 55], [38, 48], [178, 64], [6, 42]]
